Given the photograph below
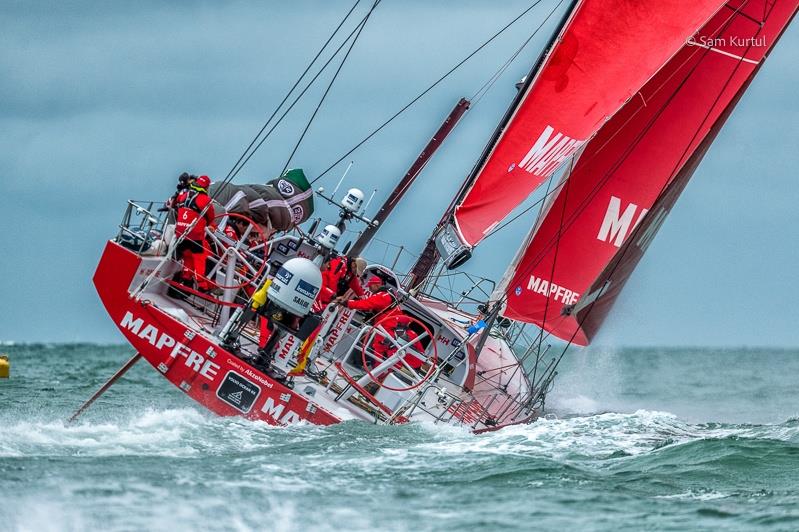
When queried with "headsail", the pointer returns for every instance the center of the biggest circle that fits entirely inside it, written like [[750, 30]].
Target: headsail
[[605, 53], [629, 176]]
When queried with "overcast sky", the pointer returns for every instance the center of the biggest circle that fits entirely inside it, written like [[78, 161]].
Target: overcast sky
[[105, 101]]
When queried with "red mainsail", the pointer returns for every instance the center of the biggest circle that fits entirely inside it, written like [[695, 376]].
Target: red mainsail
[[605, 53], [611, 205]]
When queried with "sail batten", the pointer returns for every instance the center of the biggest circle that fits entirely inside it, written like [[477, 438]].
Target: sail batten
[[632, 172], [604, 54]]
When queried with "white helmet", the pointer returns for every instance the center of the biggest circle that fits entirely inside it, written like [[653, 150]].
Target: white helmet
[[329, 236]]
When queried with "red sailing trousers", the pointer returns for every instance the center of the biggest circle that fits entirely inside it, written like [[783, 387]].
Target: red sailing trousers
[[194, 256]]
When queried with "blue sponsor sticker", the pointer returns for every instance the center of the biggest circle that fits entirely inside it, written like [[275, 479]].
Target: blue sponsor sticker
[[306, 289], [283, 275], [518, 291]]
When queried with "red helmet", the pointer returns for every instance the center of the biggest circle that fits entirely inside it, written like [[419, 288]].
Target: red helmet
[[203, 182], [373, 282]]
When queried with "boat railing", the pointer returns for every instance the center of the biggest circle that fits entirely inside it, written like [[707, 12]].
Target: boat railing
[[395, 257], [459, 290], [236, 263], [141, 224]]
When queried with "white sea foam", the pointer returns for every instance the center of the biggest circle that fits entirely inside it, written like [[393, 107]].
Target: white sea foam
[[696, 495], [153, 432]]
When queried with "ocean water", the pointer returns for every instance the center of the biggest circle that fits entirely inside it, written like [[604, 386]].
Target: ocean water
[[644, 439]]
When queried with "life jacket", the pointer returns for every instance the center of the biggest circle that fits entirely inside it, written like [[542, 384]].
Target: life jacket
[[190, 204]]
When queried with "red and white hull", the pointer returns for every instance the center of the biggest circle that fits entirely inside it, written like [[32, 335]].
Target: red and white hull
[[192, 360], [178, 340]]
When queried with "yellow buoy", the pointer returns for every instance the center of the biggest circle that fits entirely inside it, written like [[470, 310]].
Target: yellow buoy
[[5, 367]]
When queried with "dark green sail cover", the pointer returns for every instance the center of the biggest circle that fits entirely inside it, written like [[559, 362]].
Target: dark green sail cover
[[281, 203]]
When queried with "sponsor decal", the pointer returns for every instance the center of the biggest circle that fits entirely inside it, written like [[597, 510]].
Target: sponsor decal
[[549, 289], [337, 330], [238, 392], [283, 275], [275, 411], [285, 188], [165, 343], [616, 225], [297, 213], [548, 152], [287, 346], [306, 289], [236, 363]]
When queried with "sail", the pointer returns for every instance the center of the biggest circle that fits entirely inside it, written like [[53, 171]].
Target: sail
[[605, 53], [628, 177]]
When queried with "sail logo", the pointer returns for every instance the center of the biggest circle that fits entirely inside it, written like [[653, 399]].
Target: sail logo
[[549, 289], [548, 152], [616, 225]]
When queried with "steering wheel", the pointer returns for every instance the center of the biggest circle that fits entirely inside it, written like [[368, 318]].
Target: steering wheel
[[401, 349], [234, 251]]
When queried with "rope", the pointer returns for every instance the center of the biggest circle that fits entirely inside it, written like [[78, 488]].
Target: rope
[[482, 91], [425, 91], [329, 86]]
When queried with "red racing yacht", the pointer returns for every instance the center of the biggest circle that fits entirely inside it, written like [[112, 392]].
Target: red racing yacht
[[608, 127]]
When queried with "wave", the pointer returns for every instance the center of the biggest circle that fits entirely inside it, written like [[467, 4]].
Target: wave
[[189, 431]]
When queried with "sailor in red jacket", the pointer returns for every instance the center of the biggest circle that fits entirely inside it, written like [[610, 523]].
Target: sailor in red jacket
[[382, 305], [340, 275], [193, 205]]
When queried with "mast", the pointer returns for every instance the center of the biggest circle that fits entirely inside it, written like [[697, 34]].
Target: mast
[[410, 176], [427, 260]]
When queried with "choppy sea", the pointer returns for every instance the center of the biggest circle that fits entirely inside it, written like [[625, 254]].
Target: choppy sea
[[640, 439]]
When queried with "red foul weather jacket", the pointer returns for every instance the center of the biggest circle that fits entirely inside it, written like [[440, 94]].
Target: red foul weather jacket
[[190, 204], [334, 275]]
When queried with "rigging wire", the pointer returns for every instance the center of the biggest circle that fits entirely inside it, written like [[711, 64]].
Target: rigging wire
[[329, 86], [482, 91], [639, 137], [299, 96], [240, 164], [425, 91], [676, 168], [233, 170]]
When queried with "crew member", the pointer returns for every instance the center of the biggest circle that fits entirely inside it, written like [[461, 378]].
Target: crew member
[[184, 182], [236, 227], [194, 207], [338, 276], [382, 305]]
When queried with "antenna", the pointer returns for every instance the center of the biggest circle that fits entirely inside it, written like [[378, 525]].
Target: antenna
[[342, 178], [363, 210]]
